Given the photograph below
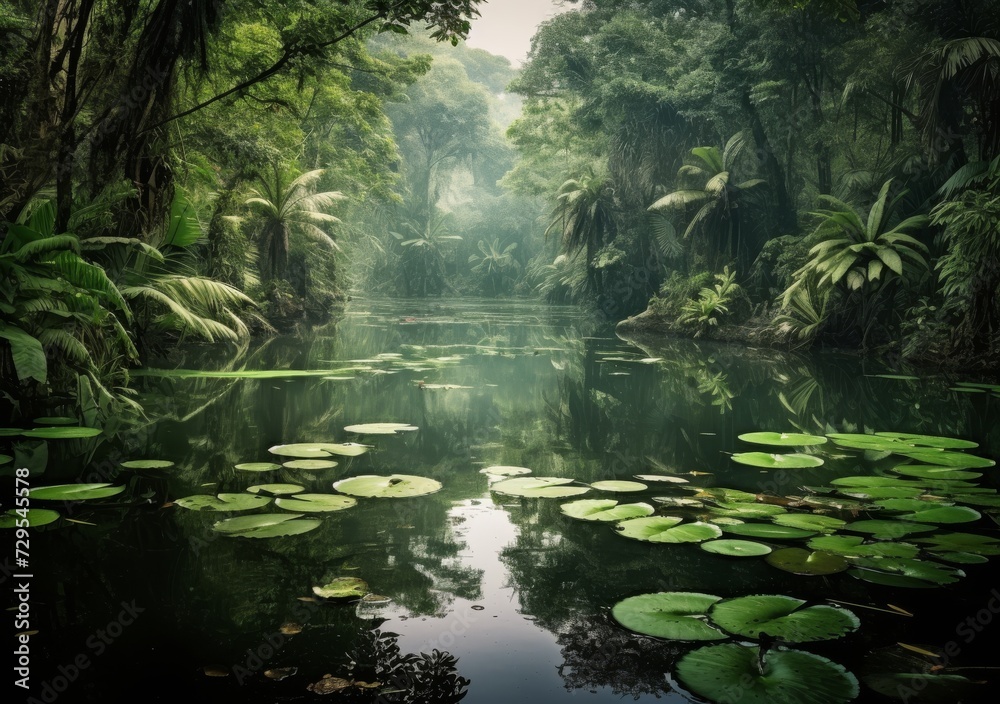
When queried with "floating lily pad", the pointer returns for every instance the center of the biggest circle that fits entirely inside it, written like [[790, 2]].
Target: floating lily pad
[[380, 428], [75, 492], [673, 615], [664, 529], [835, 502], [717, 672], [963, 542], [907, 568], [927, 471], [769, 531], [147, 464], [956, 460], [316, 503], [539, 487], [310, 464], [62, 433], [943, 515], [266, 525], [258, 466], [935, 441], [669, 478], [771, 461], [735, 548], [395, 486], [502, 470], [56, 420], [747, 510], [223, 502], [854, 546], [809, 521], [881, 492], [782, 617], [678, 501], [319, 450], [725, 494], [618, 486], [961, 558], [35, 516], [783, 439], [863, 441], [901, 673], [807, 562], [977, 500], [342, 588], [888, 530], [869, 481], [276, 489], [605, 510]]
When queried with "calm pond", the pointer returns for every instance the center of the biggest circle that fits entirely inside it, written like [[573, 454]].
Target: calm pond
[[159, 604]]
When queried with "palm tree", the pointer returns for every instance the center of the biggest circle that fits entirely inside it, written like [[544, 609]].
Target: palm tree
[[424, 253], [707, 184], [289, 208], [583, 216], [494, 263]]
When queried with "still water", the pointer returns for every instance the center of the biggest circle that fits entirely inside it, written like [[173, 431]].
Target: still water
[[141, 599]]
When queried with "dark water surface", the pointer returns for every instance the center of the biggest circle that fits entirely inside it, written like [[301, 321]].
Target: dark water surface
[[519, 593]]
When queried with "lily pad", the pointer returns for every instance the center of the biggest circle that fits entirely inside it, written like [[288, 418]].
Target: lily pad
[[310, 464], [678, 501], [963, 542], [961, 558], [380, 428], [618, 486], [977, 500], [147, 464], [539, 487], [342, 588], [926, 471], [275, 489], [258, 466], [316, 503], [901, 673], [807, 562], [725, 494], [673, 615], [771, 461], [75, 492], [605, 510], [319, 450], [943, 515], [223, 502], [502, 470], [719, 672], [266, 525], [782, 617], [62, 433], [35, 516], [56, 420], [669, 478], [395, 486], [956, 460], [863, 441], [783, 439], [854, 546], [935, 441], [769, 531], [909, 568], [888, 529], [747, 510], [735, 548], [809, 521], [664, 529]]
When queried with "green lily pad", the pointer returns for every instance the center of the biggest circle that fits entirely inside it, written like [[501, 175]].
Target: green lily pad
[[380, 428], [664, 529], [747, 510], [834, 502], [782, 617], [258, 466], [888, 529], [316, 503], [319, 450], [935, 441], [807, 562], [673, 615], [869, 481], [909, 568], [927, 471], [276, 489], [678, 502], [907, 505], [881, 492], [342, 588], [771, 461], [943, 514], [963, 542], [809, 521], [956, 460], [863, 441], [961, 558], [669, 478], [719, 672], [266, 525], [539, 487], [735, 548], [977, 500], [900, 673], [724, 494], [147, 464], [395, 486], [56, 420], [502, 470], [783, 439], [309, 464], [605, 510], [75, 492], [35, 516], [223, 502], [619, 487], [854, 546], [62, 433], [769, 531]]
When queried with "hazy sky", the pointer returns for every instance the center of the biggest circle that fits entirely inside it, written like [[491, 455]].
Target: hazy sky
[[506, 26]]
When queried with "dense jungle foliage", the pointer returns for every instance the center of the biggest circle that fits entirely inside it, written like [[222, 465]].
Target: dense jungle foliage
[[782, 172]]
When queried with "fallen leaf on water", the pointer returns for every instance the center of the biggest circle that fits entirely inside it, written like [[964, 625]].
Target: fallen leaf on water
[[921, 651], [309, 599], [899, 610], [367, 685], [290, 628], [280, 673], [84, 523], [215, 671], [328, 685]]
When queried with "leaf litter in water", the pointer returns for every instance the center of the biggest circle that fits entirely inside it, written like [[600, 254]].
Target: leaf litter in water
[[393, 486], [605, 510], [672, 615], [266, 525]]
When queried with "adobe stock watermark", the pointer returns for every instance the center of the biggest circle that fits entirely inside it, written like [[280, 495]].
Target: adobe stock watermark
[[96, 645]]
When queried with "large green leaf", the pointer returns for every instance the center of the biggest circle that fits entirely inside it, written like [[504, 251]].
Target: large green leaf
[[29, 357], [955, 460], [394, 486], [721, 672], [782, 617], [605, 510], [664, 529], [673, 615], [64, 432]]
